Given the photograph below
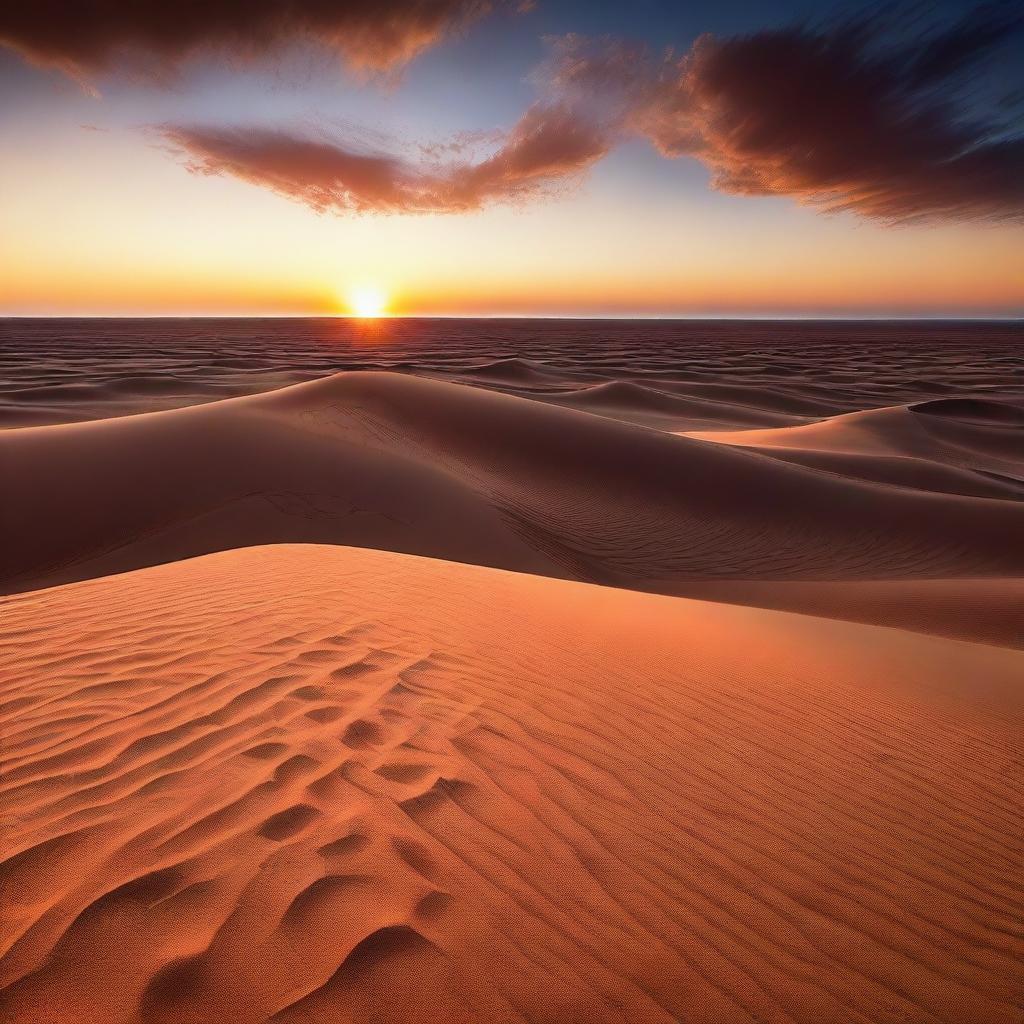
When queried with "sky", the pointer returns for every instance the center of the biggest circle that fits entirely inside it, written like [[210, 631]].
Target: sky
[[466, 157]]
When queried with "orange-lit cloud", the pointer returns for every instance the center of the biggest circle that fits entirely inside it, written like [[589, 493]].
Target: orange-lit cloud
[[83, 38], [545, 149], [829, 116]]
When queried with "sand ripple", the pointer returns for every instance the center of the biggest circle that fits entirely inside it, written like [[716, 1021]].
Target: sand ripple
[[310, 784]]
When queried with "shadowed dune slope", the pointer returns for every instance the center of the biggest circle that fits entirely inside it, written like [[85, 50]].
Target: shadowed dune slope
[[422, 466], [659, 408], [308, 784]]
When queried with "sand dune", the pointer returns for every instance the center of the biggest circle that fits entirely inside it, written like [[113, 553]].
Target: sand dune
[[311, 784], [768, 771], [916, 431], [427, 467], [980, 611], [653, 406], [921, 447], [73, 370]]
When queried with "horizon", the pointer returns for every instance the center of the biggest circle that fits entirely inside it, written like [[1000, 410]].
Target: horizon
[[696, 318]]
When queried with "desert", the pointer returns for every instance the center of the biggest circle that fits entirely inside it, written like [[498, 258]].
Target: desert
[[505, 690], [512, 512]]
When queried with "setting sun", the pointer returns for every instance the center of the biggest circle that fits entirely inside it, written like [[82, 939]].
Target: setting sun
[[367, 301]]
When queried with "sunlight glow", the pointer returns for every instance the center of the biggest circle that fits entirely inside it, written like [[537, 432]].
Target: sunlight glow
[[367, 301]]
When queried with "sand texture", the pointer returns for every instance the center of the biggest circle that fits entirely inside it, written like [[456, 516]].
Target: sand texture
[[320, 784], [561, 674]]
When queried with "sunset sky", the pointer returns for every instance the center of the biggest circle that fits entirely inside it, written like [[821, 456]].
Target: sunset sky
[[467, 158]]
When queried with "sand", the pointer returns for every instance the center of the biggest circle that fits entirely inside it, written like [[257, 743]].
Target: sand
[[656, 677], [310, 784], [730, 374], [459, 472]]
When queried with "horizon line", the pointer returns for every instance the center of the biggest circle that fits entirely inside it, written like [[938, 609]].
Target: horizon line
[[695, 317]]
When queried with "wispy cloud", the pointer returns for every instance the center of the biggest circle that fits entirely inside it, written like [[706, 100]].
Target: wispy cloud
[[545, 150]]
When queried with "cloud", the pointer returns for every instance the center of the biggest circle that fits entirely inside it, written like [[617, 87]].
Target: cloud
[[836, 117], [826, 118], [321, 175], [887, 121], [549, 147], [543, 152], [371, 35]]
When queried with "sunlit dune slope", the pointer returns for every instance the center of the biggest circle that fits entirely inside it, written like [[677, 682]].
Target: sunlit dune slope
[[941, 431], [402, 463], [327, 784]]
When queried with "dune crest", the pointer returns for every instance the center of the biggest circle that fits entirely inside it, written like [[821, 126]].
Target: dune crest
[[428, 467], [307, 783]]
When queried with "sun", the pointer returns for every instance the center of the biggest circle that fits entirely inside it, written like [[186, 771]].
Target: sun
[[367, 301]]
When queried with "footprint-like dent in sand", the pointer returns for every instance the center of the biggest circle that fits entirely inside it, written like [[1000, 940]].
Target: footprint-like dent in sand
[[295, 767], [325, 716], [310, 692], [376, 978], [319, 894], [363, 733], [286, 824], [417, 856], [405, 772], [346, 846]]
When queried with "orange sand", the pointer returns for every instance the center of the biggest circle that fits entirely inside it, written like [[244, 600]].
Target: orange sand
[[261, 760], [322, 784]]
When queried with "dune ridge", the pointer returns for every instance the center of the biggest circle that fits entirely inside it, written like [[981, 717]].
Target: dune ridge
[[306, 783], [427, 467], [74, 370]]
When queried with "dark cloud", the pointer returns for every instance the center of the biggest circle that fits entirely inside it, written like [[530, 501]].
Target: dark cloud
[[829, 118], [838, 117], [864, 116], [545, 150], [86, 36]]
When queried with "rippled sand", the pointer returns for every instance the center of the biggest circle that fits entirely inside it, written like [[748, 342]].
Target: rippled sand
[[657, 673]]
